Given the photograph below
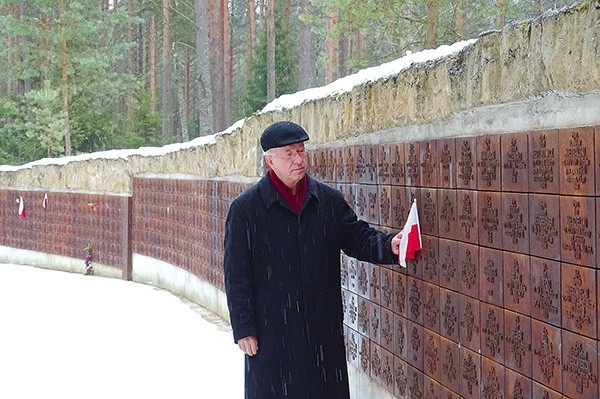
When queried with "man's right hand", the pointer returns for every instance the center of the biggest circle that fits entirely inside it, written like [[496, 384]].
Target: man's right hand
[[248, 345]]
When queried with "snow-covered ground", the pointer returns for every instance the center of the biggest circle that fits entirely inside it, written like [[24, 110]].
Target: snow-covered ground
[[65, 335]]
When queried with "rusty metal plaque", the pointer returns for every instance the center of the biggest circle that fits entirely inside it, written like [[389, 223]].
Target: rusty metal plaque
[[386, 297], [375, 283], [447, 164], [491, 275], [412, 161], [450, 364], [544, 225], [363, 322], [546, 298], [431, 307], [540, 391], [448, 213], [492, 331], [431, 388], [514, 162], [400, 292], [400, 206], [576, 157], [468, 222], [400, 337], [372, 162], [431, 354], [468, 269], [578, 230], [429, 259], [428, 211], [384, 164], [414, 382], [372, 205], [470, 374], [450, 314], [517, 385], [331, 165], [517, 289], [385, 206], [546, 355], [353, 341], [449, 265], [361, 174], [492, 379], [469, 323], [415, 298], [580, 366], [429, 163], [489, 171], [515, 222], [544, 173], [517, 342], [400, 377], [415, 342], [489, 215], [339, 173], [466, 154], [398, 166], [579, 300]]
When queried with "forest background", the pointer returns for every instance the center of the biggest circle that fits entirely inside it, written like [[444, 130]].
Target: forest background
[[90, 75]]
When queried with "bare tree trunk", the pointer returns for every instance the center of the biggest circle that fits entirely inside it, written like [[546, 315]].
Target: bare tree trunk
[[152, 62], [185, 100], [332, 49], [130, 58], [64, 66], [459, 20], [227, 62], [167, 84], [270, 50], [431, 23], [501, 16], [308, 64], [216, 62], [205, 110]]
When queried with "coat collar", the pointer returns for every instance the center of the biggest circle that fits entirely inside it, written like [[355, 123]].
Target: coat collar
[[271, 197]]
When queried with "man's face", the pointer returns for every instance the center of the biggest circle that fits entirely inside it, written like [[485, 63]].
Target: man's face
[[289, 163]]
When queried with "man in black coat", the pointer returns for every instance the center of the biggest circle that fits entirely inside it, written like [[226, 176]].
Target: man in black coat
[[283, 238]]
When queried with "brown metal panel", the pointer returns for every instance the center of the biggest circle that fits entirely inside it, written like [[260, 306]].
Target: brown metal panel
[[353, 275], [429, 163], [470, 374], [375, 283], [544, 174], [540, 391], [468, 222], [492, 379], [579, 300], [515, 162], [431, 307], [349, 162], [546, 299], [447, 163], [450, 364], [546, 355], [517, 280], [450, 314], [578, 230], [398, 166], [330, 165], [413, 164], [544, 225], [415, 298], [517, 385], [400, 337], [466, 154], [428, 259], [580, 366], [576, 157], [468, 269], [386, 338], [384, 164], [469, 323], [360, 154], [362, 201], [374, 329], [492, 331], [431, 354], [400, 378], [338, 155], [415, 344], [431, 388], [449, 265], [515, 222], [517, 342], [448, 213], [414, 380], [364, 355], [385, 206], [489, 171], [491, 275], [353, 355], [363, 322], [371, 162], [489, 215], [428, 211], [400, 206], [387, 288], [363, 279]]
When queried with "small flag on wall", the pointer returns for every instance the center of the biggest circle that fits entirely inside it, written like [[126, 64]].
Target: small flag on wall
[[410, 242], [45, 201], [21, 207]]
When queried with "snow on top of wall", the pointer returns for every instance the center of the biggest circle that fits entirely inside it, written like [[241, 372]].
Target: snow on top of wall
[[341, 85]]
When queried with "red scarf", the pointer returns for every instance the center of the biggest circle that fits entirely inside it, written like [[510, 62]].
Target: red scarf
[[294, 200]]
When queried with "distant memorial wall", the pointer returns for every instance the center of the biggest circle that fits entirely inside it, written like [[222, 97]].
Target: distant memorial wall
[[499, 144]]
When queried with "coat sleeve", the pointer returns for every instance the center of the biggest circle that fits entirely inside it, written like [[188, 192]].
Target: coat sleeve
[[238, 274], [363, 242]]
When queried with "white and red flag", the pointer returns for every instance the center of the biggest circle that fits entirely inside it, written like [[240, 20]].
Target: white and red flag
[[410, 242], [45, 201], [21, 207]]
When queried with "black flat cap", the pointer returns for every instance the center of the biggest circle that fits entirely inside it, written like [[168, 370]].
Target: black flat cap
[[282, 133]]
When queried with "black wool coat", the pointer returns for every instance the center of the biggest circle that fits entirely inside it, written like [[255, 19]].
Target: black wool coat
[[282, 280]]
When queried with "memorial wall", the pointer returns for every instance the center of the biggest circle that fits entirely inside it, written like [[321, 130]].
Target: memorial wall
[[499, 144]]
